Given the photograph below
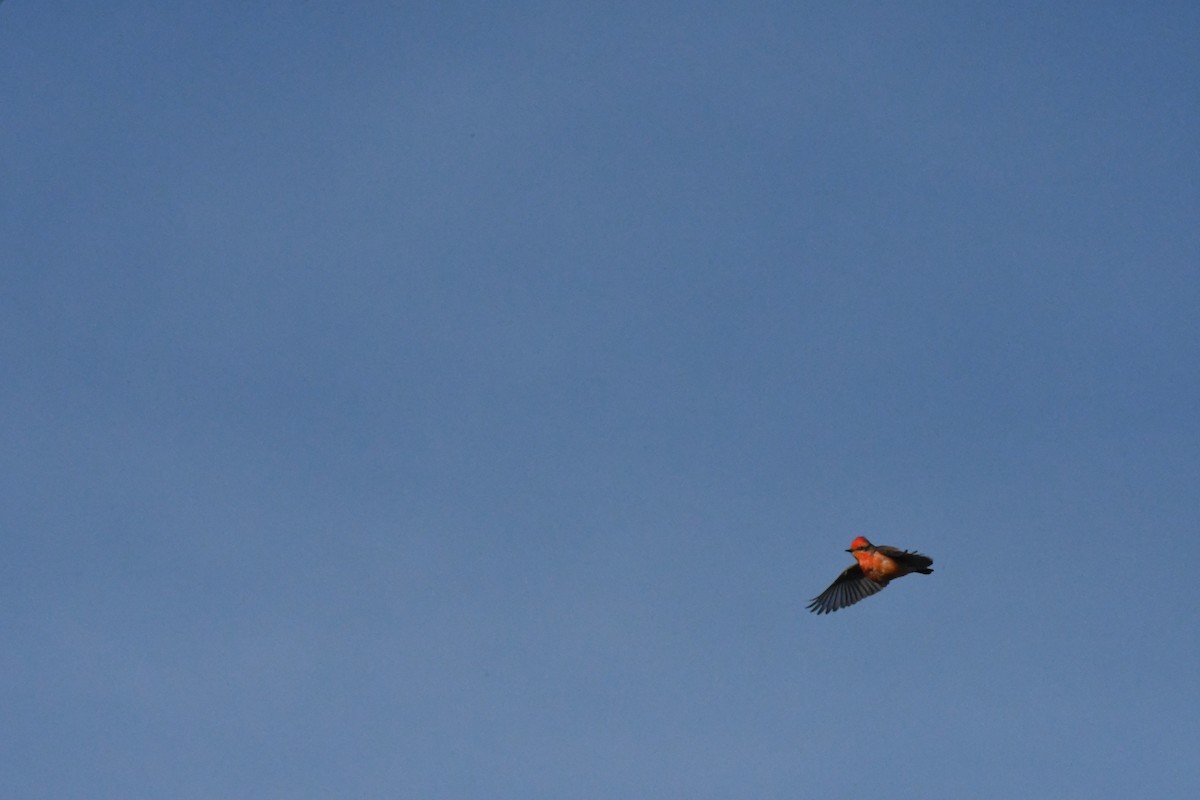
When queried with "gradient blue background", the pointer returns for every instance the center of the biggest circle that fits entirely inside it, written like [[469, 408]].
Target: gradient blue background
[[441, 400]]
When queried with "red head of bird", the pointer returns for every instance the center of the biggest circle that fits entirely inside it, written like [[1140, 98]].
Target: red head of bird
[[860, 543]]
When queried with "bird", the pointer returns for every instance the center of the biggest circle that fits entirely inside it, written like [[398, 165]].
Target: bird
[[875, 566]]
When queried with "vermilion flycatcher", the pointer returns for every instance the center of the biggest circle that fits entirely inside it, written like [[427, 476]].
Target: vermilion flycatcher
[[875, 566]]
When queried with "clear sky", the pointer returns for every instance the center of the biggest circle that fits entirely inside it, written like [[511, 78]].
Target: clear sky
[[441, 400]]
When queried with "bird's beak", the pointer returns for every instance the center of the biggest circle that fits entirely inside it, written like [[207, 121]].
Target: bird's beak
[[848, 550]]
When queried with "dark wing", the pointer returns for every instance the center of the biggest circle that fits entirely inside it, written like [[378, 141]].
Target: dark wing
[[914, 561], [850, 587]]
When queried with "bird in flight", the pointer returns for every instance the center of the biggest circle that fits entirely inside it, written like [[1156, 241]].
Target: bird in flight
[[874, 567]]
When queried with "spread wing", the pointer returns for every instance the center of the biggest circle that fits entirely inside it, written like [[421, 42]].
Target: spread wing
[[850, 587], [914, 561]]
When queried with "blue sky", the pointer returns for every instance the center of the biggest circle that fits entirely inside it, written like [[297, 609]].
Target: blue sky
[[445, 400]]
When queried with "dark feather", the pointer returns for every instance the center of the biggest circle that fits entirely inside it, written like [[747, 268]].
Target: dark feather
[[914, 561], [850, 587]]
